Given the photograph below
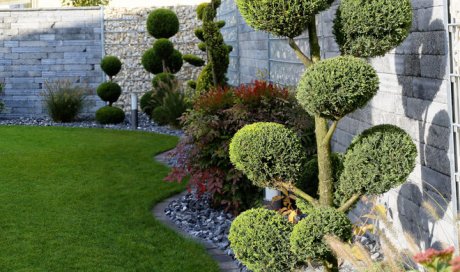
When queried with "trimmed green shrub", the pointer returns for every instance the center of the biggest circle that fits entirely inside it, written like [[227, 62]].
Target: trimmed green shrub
[[163, 47], [172, 106], [162, 79], [202, 46], [194, 60], [152, 62], [260, 240], [162, 23], [199, 33], [200, 10], [174, 62], [268, 153], [372, 28], [335, 87], [147, 104], [379, 159], [220, 24], [205, 80], [307, 238], [281, 17], [63, 100], [111, 65], [110, 115], [109, 92]]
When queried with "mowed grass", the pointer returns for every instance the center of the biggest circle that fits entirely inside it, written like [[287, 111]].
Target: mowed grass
[[80, 200]]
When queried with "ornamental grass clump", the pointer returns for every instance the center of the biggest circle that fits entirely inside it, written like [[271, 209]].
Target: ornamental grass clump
[[63, 100], [378, 160]]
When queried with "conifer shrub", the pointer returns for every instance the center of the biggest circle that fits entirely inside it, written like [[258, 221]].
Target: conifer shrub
[[307, 238], [109, 92], [268, 153], [111, 65], [379, 159], [162, 23], [281, 17], [260, 240], [372, 28], [110, 115], [335, 87]]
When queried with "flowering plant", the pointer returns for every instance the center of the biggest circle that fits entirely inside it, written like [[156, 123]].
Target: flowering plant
[[438, 260]]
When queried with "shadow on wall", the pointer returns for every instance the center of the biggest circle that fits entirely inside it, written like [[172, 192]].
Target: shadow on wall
[[424, 59], [43, 46]]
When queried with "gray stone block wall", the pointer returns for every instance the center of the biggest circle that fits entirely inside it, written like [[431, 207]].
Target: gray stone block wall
[[413, 95], [44, 45]]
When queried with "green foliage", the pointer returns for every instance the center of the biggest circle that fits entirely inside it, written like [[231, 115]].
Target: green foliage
[[220, 24], [109, 92], [202, 46], [163, 47], [174, 62], [63, 100], [173, 105], [372, 28], [260, 240], [335, 87], [281, 17], [200, 10], [162, 81], [307, 238], [379, 159], [84, 3], [110, 115], [162, 23], [205, 80], [111, 65], [199, 33], [191, 84], [147, 103], [268, 153], [194, 60], [152, 62]]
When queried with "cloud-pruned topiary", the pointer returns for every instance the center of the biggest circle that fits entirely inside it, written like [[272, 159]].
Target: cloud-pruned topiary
[[110, 115], [281, 17], [111, 65], [109, 92], [214, 73], [335, 87], [162, 23], [379, 159], [260, 240], [268, 153], [307, 238], [372, 28]]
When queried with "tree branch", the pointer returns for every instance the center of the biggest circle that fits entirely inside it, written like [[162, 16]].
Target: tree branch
[[305, 60], [299, 193], [350, 202], [330, 133]]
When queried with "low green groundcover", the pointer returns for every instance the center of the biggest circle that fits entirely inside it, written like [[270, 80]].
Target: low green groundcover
[[80, 200]]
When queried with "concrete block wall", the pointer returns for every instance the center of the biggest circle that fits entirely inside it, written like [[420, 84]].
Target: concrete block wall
[[413, 95], [43, 45]]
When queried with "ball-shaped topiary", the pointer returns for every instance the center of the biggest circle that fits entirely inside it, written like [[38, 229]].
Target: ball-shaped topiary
[[110, 115], [281, 17], [372, 28], [111, 65], [268, 153], [379, 159], [307, 238], [163, 47], [335, 87], [260, 240], [194, 60], [152, 62], [109, 91], [174, 62], [162, 23]]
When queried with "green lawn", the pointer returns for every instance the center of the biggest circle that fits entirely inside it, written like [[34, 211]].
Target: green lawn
[[80, 200]]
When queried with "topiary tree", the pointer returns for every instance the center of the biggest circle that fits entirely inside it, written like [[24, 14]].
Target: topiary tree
[[212, 42], [109, 92], [379, 159]]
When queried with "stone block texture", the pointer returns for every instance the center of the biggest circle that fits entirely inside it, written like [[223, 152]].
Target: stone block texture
[[126, 37], [414, 83], [40, 46]]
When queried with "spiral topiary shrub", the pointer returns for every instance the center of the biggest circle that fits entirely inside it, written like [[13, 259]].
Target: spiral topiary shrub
[[162, 23], [111, 65], [260, 240], [379, 159], [268, 153], [281, 17], [307, 238], [335, 87], [371, 28], [109, 92], [110, 115]]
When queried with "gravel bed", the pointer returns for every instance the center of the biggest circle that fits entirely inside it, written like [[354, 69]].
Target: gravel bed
[[145, 124]]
